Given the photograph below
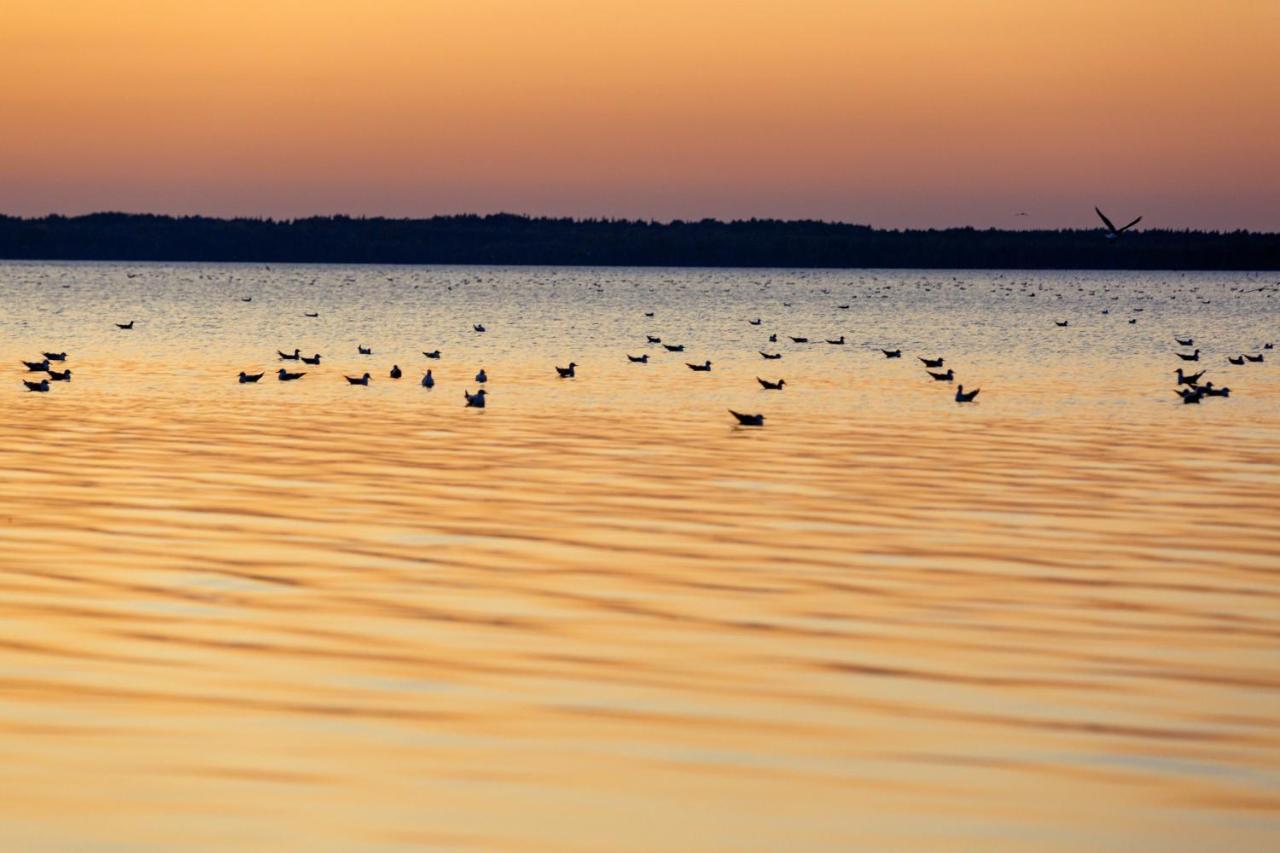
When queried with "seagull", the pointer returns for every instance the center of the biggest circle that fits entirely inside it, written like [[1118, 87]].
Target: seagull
[[963, 396], [1188, 380], [128, 325], [843, 307], [932, 362], [798, 340], [311, 314], [755, 322], [1112, 231], [315, 359], [1237, 360], [838, 341], [357, 380], [771, 386], [1131, 322], [246, 298], [476, 400], [1191, 395], [286, 357], [673, 347], [482, 377], [249, 377], [55, 356], [653, 340], [364, 350], [479, 327], [771, 356], [1254, 358], [435, 353], [705, 367], [892, 353], [1195, 356], [1185, 343], [773, 339], [648, 313], [1061, 325], [943, 377], [1210, 391], [428, 381], [566, 372], [285, 376], [395, 371], [37, 366], [42, 385], [64, 376], [638, 359], [748, 420]]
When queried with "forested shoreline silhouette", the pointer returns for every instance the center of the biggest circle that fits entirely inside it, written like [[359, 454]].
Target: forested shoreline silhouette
[[510, 239]]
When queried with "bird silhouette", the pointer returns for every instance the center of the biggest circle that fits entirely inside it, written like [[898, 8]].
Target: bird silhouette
[[1112, 231], [567, 372], [748, 420], [246, 378], [358, 380], [771, 386]]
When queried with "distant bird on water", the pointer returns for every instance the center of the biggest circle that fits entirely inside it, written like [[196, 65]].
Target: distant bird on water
[[1255, 358], [37, 366], [798, 340], [1195, 356], [932, 362], [638, 359], [963, 396], [395, 371], [653, 340], [128, 325], [435, 353], [479, 327], [1188, 380], [892, 353], [748, 420], [364, 350], [311, 314], [1189, 395], [567, 372], [949, 376], [1112, 231], [1061, 325], [771, 356], [246, 378], [482, 377], [705, 367], [648, 313], [64, 376], [297, 354], [315, 359], [1185, 343], [357, 380], [773, 339], [673, 347], [771, 386], [1237, 360], [476, 400], [42, 385], [1211, 391], [55, 356], [836, 341], [285, 376], [755, 322], [428, 381]]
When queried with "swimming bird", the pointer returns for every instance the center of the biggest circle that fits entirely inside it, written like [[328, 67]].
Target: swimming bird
[[648, 313], [1195, 356], [892, 353], [1191, 395], [249, 377], [701, 368], [798, 340], [1131, 322], [364, 350], [943, 377], [285, 376], [55, 356], [297, 354], [755, 322], [428, 381], [1188, 380], [1268, 346], [128, 325], [1211, 391], [748, 420], [64, 376], [357, 380], [395, 371], [1184, 343], [771, 356], [1062, 324], [37, 366], [837, 342], [1112, 231], [479, 327], [476, 400], [42, 385], [1254, 358], [315, 359], [771, 386], [773, 339], [963, 396], [311, 314], [435, 353], [653, 340], [638, 359], [932, 362], [673, 347], [246, 298], [843, 307], [1237, 360], [482, 377], [567, 372]]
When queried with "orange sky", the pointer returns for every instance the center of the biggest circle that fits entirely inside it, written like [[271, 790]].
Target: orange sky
[[892, 112]]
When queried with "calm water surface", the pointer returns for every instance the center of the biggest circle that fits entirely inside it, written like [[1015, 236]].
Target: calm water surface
[[598, 616]]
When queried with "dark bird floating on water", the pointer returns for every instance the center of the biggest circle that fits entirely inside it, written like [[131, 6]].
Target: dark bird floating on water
[[285, 376], [673, 347], [932, 362], [1112, 231], [1254, 358], [705, 367], [949, 376], [837, 341], [638, 359], [246, 298], [1061, 325], [798, 340], [358, 380], [311, 314], [771, 356], [435, 353], [395, 371], [482, 377], [55, 356], [479, 327], [42, 385], [285, 356], [1237, 360], [428, 381], [748, 420], [567, 372], [1195, 356], [315, 359], [1188, 380], [1190, 395], [771, 386], [653, 340], [1184, 343], [892, 353], [755, 322], [476, 400], [364, 350], [963, 396], [1211, 391], [37, 366], [249, 377], [648, 313], [64, 376], [773, 339], [128, 325]]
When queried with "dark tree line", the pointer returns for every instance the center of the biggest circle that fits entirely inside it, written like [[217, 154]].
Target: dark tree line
[[510, 239]]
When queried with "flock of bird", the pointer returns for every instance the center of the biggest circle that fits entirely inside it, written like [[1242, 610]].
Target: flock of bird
[[1194, 391]]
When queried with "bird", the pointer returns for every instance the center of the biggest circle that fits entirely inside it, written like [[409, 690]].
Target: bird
[[1191, 395], [285, 376], [364, 350], [42, 385], [1211, 391], [1195, 356], [55, 356], [395, 371], [892, 353], [843, 307], [771, 386], [64, 376], [963, 396], [648, 313], [1131, 322], [1254, 358], [311, 314], [798, 340], [482, 377], [653, 340], [567, 372], [837, 342], [1188, 380], [297, 354], [771, 356], [476, 400], [1184, 343], [1268, 346], [428, 381], [128, 325], [1061, 324], [705, 367], [249, 377], [357, 380], [246, 298], [435, 353], [943, 377], [479, 327], [315, 359], [37, 366], [773, 339], [748, 420], [755, 322], [673, 347], [932, 362], [1112, 231], [638, 359], [1237, 360]]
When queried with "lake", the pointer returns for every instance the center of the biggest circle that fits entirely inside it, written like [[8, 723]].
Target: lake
[[599, 615]]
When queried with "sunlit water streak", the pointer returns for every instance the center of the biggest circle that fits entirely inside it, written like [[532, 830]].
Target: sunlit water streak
[[596, 614]]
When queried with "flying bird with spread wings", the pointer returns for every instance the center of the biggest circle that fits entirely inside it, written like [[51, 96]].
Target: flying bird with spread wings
[[1112, 231]]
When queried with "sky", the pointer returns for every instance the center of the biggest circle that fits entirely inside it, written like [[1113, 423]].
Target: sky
[[895, 113]]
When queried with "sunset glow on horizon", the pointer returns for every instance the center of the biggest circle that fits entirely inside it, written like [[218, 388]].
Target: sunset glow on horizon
[[913, 113]]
